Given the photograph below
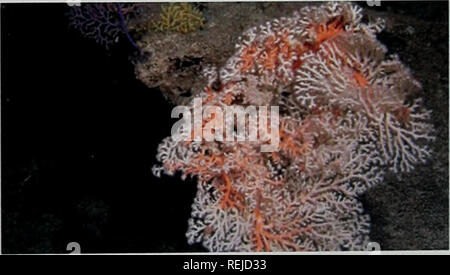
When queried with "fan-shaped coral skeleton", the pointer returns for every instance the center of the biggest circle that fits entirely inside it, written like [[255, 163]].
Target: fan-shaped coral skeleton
[[344, 120]]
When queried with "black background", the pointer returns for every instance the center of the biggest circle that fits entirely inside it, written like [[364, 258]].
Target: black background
[[79, 138]]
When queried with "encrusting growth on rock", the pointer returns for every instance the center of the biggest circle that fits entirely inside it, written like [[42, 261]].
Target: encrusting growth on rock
[[344, 120]]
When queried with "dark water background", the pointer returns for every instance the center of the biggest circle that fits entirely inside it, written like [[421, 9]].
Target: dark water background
[[79, 137]]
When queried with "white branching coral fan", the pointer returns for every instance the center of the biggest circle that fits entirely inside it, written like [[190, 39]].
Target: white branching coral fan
[[345, 119]]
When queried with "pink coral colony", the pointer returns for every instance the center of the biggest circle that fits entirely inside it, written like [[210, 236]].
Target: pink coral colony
[[344, 121]]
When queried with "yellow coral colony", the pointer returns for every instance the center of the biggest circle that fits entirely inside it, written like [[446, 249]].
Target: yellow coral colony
[[179, 17]]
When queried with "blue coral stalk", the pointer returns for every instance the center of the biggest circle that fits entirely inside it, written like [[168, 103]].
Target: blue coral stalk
[[124, 27]]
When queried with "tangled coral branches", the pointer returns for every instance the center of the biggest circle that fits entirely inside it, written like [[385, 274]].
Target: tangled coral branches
[[180, 17], [344, 120], [103, 22]]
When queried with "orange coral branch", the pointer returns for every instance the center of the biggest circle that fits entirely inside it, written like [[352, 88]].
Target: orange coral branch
[[231, 197], [248, 58], [328, 31], [263, 238]]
